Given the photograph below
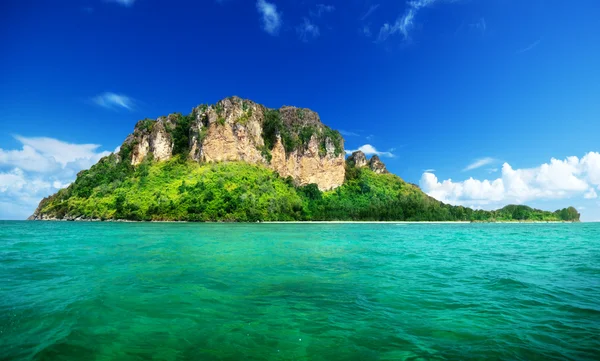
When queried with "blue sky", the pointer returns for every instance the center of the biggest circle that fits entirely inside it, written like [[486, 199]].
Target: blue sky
[[452, 93]]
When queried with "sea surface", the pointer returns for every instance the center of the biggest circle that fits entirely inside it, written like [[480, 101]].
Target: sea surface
[[166, 291]]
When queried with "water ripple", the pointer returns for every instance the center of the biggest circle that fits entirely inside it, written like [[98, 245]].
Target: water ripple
[[72, 291]]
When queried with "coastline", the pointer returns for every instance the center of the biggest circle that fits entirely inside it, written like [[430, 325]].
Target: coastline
[[306, 222]]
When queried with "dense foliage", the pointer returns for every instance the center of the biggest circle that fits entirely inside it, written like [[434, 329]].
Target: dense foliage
[[179, 190], [181, 133]]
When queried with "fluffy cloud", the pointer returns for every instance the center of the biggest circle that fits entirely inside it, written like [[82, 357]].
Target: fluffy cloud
[[41, 167], [554, 180], [590, 194], [271, 19], [113, 101], [368, 149]]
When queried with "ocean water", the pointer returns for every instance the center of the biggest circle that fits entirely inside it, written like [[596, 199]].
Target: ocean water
[[140, 291]]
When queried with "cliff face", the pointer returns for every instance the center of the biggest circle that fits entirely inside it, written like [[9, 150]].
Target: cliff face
[[291, 141]]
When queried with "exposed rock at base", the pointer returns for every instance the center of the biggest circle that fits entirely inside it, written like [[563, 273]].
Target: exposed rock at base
[[377, 165], [307, 166]]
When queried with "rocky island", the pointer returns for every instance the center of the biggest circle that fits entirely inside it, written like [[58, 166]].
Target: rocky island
[[237, 160]]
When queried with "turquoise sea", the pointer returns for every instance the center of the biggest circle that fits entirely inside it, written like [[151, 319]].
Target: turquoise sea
[[157, 291]]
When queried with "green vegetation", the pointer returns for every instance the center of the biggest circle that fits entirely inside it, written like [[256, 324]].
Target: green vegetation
[[243, 119], [181, 133], [183, 190], [273, 126], [237, 191], [176, 190], [219, 108], [146, 125], [336, 139]]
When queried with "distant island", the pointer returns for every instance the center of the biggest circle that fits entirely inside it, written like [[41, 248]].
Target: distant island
[[238, 161]]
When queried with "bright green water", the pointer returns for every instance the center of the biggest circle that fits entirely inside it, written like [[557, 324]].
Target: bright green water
[[123, 291]]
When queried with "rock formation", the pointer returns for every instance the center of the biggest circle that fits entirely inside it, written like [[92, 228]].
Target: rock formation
[[358, 160], [233, 130], [377, 165]]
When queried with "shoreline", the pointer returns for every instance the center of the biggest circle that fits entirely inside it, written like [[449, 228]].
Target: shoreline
[[308, 222]]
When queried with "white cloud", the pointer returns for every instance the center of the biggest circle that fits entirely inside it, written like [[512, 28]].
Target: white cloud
[[40, 168], [479, 163], [322, 9], [590, 164], [479, 26], [590, 194], [60, 151], [271, 19], [114, 101], [558, 179], [348, 134], [530, 46], [126, 3], [307, 30], [429, 170], [366, 30], [405, 22], [372, 9], [368, 149]]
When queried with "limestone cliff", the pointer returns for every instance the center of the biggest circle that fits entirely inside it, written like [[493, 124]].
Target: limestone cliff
[[292, 141]]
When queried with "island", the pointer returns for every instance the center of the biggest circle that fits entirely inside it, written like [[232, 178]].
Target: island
[[239, 161]]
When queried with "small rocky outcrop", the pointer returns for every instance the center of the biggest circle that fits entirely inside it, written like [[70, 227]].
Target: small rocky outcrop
[[358, 159], [377, 165]]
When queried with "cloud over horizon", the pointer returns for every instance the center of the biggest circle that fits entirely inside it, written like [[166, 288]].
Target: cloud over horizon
[[558, 179], [41, 167]]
